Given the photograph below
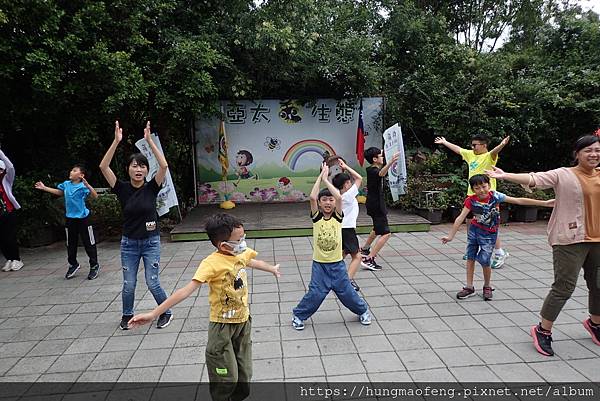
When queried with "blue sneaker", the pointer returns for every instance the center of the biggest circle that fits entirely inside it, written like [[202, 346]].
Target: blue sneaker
[[365, 318], [465, 257], [297, 323]]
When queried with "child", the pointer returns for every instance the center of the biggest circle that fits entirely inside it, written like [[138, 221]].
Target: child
[[75, 190], [349, 190], [328, 267], [8, 216], [229, 347], [483, 230], [376, 206], [479, 159]]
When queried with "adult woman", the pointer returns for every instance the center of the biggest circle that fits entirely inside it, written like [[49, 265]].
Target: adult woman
[[141, 236], [8, 216], [573, 233]]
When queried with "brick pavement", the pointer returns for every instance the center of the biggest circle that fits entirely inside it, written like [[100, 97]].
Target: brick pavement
[[52, 329]]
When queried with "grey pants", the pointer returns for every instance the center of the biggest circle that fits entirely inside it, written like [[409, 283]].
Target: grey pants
[[568, 261]]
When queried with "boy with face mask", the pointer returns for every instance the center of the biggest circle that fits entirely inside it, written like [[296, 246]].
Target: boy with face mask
[[229, 348]]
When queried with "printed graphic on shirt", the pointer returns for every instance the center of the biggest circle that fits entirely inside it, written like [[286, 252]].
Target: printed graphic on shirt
[[327, 238], [486, 213], [233, 293], [150, 225]]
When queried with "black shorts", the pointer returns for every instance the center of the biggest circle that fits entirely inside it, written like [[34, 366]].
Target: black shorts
[[380, 224], [349, 241]]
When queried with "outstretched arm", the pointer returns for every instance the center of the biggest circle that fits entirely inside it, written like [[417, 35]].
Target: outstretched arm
[[440, 140], [54, 191], [264, 266], [529, 202], [160, 158], [457, 223], [108, 174], [494, 152], [357, 177], [383, 171], [520, 178]]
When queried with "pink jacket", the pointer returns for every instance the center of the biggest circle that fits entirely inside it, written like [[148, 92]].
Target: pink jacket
[[567, 222]]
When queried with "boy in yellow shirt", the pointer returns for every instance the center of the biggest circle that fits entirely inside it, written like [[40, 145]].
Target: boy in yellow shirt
[[479, 159], [229, 347]]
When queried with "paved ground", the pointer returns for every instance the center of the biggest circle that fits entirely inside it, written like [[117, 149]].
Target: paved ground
[[52, 329]]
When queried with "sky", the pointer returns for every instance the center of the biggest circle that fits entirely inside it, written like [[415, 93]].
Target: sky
[[590, 4]]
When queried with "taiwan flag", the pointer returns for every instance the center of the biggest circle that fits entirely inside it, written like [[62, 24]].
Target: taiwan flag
[[360, 137]]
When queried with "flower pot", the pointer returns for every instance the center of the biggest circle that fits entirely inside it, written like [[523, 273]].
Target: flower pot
[[527, 214], [453, 212], [434, 216]]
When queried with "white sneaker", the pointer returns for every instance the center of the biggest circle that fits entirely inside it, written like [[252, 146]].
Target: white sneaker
[[16, 265], [7, 266], [498, 259]]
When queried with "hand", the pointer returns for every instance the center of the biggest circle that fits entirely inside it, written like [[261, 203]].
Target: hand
[[505, 141], [445, 240], [343, 165], [550, 203], [118, 132], [147, 132], [496, 172], [440, 140], [395, 157], [324, 171], [40, 185], [140, 320], [276, 271]]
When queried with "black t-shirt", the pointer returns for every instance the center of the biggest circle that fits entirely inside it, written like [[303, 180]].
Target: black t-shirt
[[375, 201], [140, 219]]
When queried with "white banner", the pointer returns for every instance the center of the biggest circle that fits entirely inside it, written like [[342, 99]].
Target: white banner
[[393, 143], [167, 197]]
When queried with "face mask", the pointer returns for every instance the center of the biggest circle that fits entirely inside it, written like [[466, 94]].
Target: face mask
[[237, 246]]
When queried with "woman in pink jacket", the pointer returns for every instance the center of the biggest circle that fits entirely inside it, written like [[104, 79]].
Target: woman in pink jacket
[[573, 233], [8, 216]]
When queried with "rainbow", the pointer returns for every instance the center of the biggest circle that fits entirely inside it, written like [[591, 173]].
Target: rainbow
[[306, 146]]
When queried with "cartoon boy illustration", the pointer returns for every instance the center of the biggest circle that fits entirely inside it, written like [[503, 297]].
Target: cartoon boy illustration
[[243, 159]]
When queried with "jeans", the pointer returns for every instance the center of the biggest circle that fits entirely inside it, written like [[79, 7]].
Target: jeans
[[132, 250], [480, 245], [326, 277]]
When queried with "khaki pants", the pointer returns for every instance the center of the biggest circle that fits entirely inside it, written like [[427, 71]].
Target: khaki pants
[[568, 261], [229, 360]]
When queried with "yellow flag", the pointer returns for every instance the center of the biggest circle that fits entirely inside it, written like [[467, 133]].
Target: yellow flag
[[223, 159]]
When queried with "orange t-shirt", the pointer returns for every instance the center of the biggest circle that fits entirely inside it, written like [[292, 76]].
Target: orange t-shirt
[[590, 185]]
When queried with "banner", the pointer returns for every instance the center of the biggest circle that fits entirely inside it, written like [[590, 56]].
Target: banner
[[167, 197], [397, 173], [275, 148]]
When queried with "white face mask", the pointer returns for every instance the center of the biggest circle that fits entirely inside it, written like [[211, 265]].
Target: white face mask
[[237, 246]]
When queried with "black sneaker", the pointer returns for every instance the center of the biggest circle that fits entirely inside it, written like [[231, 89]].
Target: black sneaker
[[466, 292], [593, 329], [354, 285], [377, 265], [365, 251], [94, 270], [369, 264], [125, 322], [164, 320], [71, 272], [542, 340]]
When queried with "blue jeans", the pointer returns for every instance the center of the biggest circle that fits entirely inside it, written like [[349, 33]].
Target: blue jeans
[[326, 277], [480, 245], [132, 250]]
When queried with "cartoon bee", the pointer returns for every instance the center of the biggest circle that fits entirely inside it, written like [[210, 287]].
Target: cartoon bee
[[272, 143], [289, 112]]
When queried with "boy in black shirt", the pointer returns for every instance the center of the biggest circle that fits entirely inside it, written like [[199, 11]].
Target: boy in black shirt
[[376, 206]]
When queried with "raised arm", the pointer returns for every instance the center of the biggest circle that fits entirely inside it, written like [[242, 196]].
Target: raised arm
[[160, 158], [383, 171], [440, 140], [314, 193], [357, 177], [10, 168], [520, 178], [108, 174], [334, 192], [54, 191], [494, 152], [93, 192]]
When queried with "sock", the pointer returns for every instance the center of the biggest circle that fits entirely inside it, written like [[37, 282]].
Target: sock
[[499, 251], [594, 325], [542, 330]]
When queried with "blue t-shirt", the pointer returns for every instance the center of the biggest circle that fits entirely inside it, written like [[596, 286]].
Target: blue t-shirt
[[75, 195], [486, 213]]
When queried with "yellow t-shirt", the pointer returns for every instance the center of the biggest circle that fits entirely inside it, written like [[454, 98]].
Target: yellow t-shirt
[[228, 285], [477, 165], [327, 237]]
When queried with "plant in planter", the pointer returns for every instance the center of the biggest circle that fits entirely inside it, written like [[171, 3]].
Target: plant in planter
[[432, 205], [525, 213], [456, 191]]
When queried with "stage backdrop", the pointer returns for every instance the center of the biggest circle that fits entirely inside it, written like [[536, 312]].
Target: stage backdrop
[[276, 147]]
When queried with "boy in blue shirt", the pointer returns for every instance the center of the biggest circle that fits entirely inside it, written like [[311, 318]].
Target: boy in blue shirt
[[75, 190]]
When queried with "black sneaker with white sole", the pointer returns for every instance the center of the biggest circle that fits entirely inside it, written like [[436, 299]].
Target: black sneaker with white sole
[[125, 322], [94, 270], [370, 264], [71, 271], [164, 320], [354, 285]]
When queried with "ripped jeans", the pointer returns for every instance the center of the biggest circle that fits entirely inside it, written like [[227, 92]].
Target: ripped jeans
[[132, 250]]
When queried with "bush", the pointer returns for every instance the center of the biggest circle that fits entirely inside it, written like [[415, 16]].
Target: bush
[[107, 217]]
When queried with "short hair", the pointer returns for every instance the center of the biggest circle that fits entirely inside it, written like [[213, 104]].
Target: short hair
[[139, 158], [81, 168], [248, 155], [324, 192], [220, 226], [371, 154], [339, 180], [583, 142], [333, 160], [479, 179], [483, 138]]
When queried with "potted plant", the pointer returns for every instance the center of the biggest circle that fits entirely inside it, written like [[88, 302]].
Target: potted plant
[[456, 191], [432, 205]]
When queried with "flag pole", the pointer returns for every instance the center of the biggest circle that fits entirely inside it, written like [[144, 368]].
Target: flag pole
[[224, 160]]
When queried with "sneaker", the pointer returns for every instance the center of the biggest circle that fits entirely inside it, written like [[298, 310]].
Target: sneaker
[[465, 257], [377, 265], [365, 252], [466, 292], [94, 270], [7, 266], [498, 259], [16, 265], [542, 340], [71, 272], [125, 322], [487, 293], [365, 318], [369, 264], [297, 323], [354, 285], [164, 320], [594, 330]]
